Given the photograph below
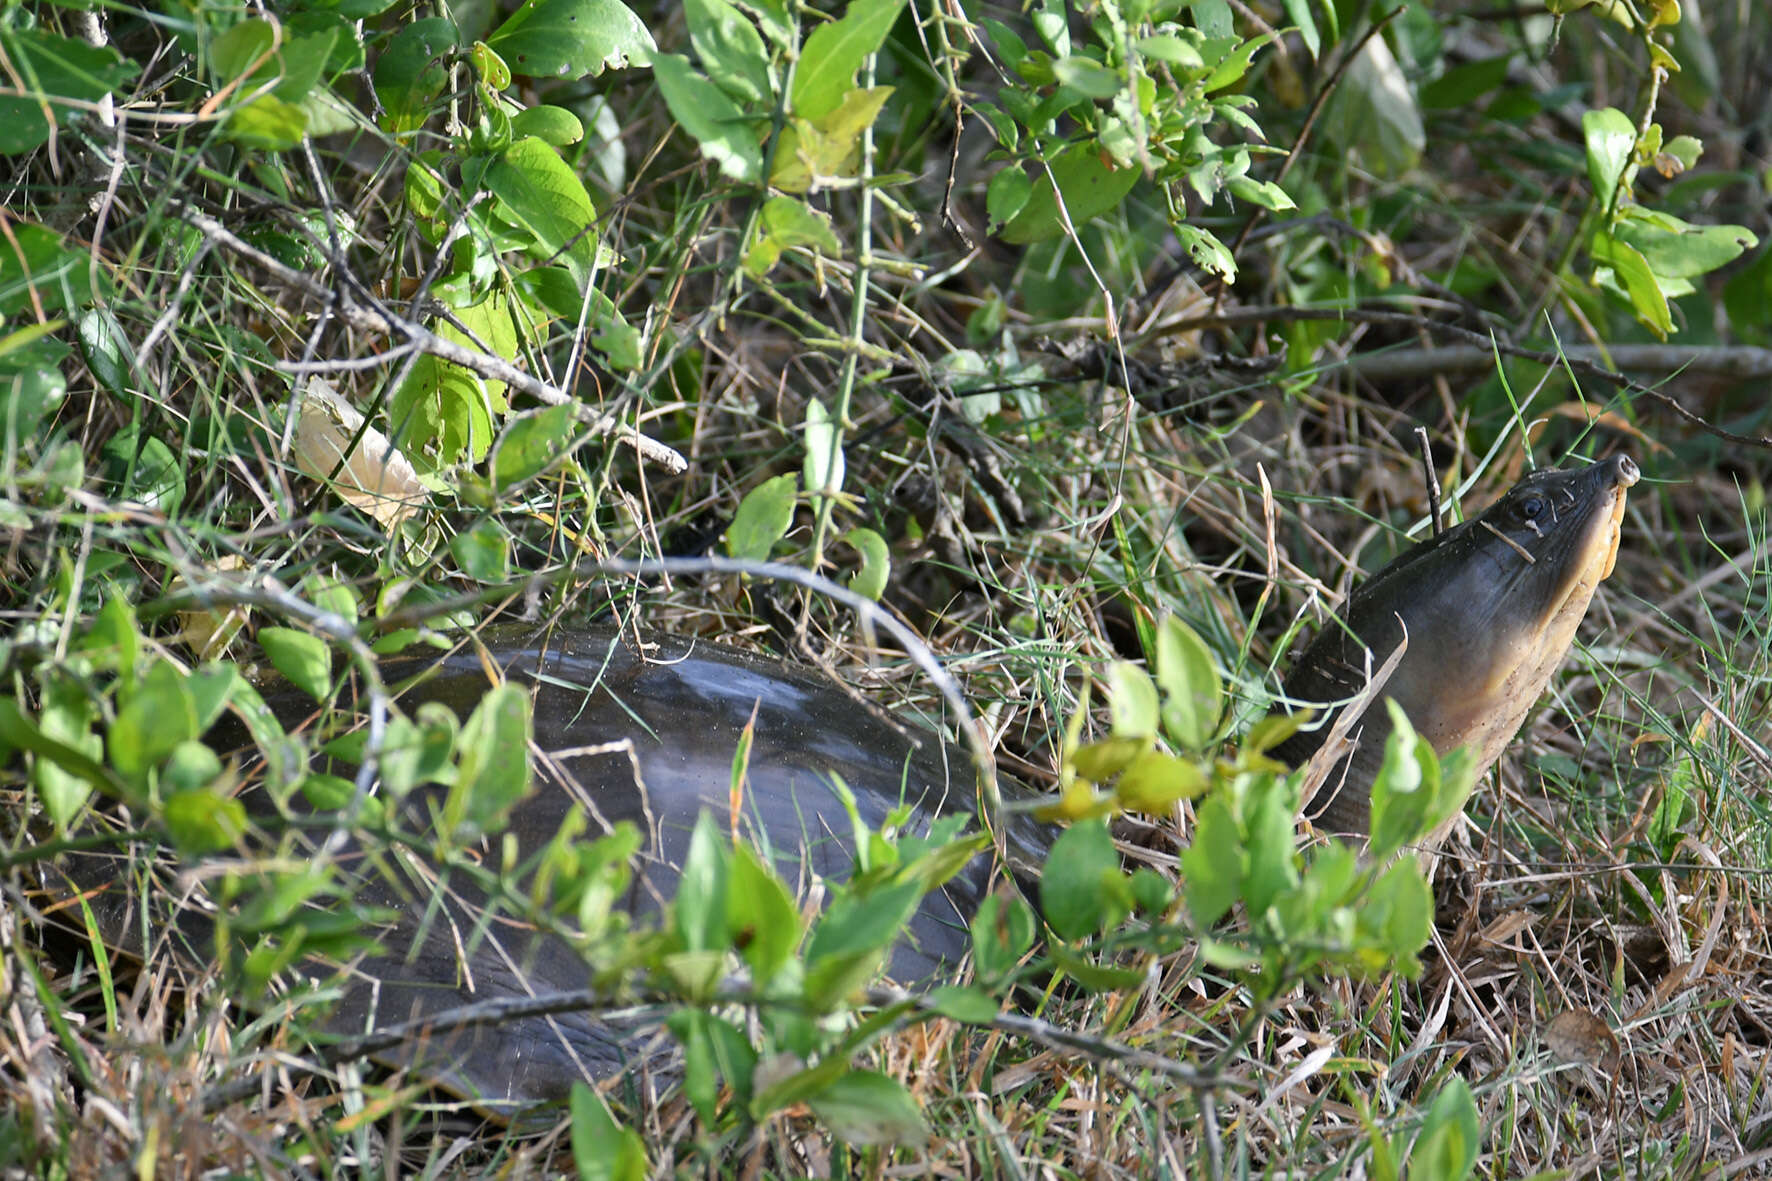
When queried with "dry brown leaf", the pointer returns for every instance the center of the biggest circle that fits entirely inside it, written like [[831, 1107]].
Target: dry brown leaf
[[1582, 1036], [208, 631], [376, 477]]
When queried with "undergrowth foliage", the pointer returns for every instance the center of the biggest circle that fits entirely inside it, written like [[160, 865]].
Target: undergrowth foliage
[[1074, 337]]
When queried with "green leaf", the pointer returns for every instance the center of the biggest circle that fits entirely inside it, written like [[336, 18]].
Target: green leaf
[[1051, 20], [73, 751], [1232, 957], [32, 389], [787, 223], [555, 126], [37, 271], [483, 552], [619, 342], [494, 73], [417, 752], [51, 68], [1089, 186], [547, 199], [494, 774], [876, 563], [1272, 730], [1457, 775], [571, 38], [66, 726], [1002, 932], [700, 906], [211, 688], [713, 120], [1152, 893], [763, 518], [444, 409], [849, 942], [1299, 13], [409, 74], [305, 660], [1156, 782], [700, 1078], [1404, 787], [761, 915], [1007, 42], [1093, 976], [731, 50], [330, 594], [203, 821], [268, 123], [1610, 138], [713, 1049], [824, 451], [107, 350], [1100, 761], [1264, 193], [863, 921], [1331, 883], [942, 854], [159, 715], [1077, 893], [794, 223], [1396, 916], [1686, 149], [251, 54], [35, 345], [145, 470], [1460, 87], [429, 194], [593, 876], [1206, 251], [974, 1006], [1132, 701], [346, 53], [1450, 1137], [530, 443], [1007, 195], [1273, 834], [783, 1092], [864, 1108], [835, 51], [1631, 271], [1747, 297], [1215, 865], [1172, 50], [395, 642], [1193, 692], [1088, 77], [602, 1149], [114, 641], [1235, 64], [1678, 249]]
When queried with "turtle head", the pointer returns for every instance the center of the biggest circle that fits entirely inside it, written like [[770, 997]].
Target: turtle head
[[1487, 610]]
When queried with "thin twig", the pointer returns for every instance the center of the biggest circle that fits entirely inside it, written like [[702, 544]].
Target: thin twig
[[1736, 362], [584, 1000], [1746, 362], [1431, 477]]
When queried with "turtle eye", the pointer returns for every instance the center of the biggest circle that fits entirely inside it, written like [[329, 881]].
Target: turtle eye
[[1533, 507]]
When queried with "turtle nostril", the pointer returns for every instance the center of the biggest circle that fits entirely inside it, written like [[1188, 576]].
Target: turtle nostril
[[1626, 470]]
